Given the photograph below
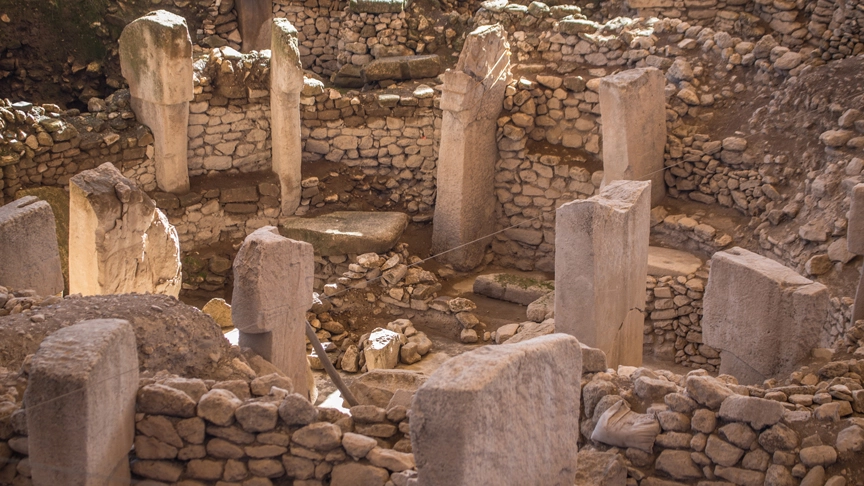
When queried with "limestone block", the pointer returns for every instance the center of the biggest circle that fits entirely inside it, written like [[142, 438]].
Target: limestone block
[[168, 124], [119, 242], [762, 316], [286, 82], [381, 349], [601, 259], [461, 406], [465, 205], [29, 255], [156, 58], [855, 232], [80, 403], [403, 67], [345, 232], [633, 109], [377, 6], [254, 20], [273, 279]]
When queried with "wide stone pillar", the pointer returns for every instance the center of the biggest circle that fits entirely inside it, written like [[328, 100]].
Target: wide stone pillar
[[254, 18], [763, 317], [286, 82], [472, 97], [273, 279], [156, 60], [119, 241], [503, 415], [29, 255], [601, 261], [633, 110], [80, 403]]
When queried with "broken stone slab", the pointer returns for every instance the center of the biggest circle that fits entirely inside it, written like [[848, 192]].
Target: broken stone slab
[[80, 402], [403, 67], [273, 280], [595, 468], [512, 288], [220, 311], [633, 108], [450, 415], [377, 387], [601, 259], [119, 242], [347, 232], [751, 300], [381, 349], [668, 262], [531, 330], [29, 254], [542, 308], [377, 6]]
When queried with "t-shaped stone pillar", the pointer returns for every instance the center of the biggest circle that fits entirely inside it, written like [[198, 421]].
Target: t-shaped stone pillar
[[254, 20], [156, 60], [80, 403], [601, 260], [29, 255], [855, 244], [471, 98], [633, 109], [286, 82], [273, 279]]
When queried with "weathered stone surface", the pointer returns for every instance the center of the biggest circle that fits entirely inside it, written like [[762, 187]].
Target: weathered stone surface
[[465, 206], [286, 82], [377, 6], [403, 67], [633, 108], [119, 242], [345, 232], [220, 311], [81, 404], [512, 287], [758, 412], [595, 468], [678, 464], [707, 390], [527, 379], [273, 279], [254, 21], [381, 349], [541, 309], [377, 387], [601, 248], [751, 300], [356, 474], [666, 261], [29, 254], [855, 231]]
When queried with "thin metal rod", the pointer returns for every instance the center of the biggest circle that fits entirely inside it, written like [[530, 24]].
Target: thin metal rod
[[328, 366]]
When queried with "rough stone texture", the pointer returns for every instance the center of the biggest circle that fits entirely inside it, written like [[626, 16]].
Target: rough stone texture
[[855, 243], [456, 411], [751, 300], [119, 242], [594, 468], [346, 232], [254, 21], [758, 412], [601, 249], [81, 404], [512, 288], [29, 254], [286, 83], [273, 278], [156, 60], [666, 261], [377, 387], [633, 109], [471, 99]]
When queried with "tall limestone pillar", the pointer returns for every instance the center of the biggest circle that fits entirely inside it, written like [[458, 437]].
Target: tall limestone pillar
[[472, 97], [286, 82], [601, 261], [633, 110], [156, 60]]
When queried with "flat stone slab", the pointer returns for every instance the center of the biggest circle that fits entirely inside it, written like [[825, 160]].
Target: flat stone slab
[[345, 232], [512, 287], [377, 6], [403, 67], [664, 262]]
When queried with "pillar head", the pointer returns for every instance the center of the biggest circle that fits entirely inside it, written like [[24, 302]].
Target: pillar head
[[286, 73]]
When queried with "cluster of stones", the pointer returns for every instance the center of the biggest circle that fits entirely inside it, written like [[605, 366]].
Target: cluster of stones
[[317, 24], [13, 428], [229, 118], [365, 36], [220, 27], [839, 35], [393, 136], [681, 230], [850, 133], [44, 145], [21, 301], [381, 349], [696, 428], [673, 313], [234, 431]]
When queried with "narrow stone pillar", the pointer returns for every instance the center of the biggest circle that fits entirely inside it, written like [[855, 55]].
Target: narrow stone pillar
[[29, 255], [763, 317], [855, 244], [156, 60], [80, 403], [254, 18], [273, 279], [633, 110], [601, 261], [119, 241], [512, 406], [472, 96], [286, 82]]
